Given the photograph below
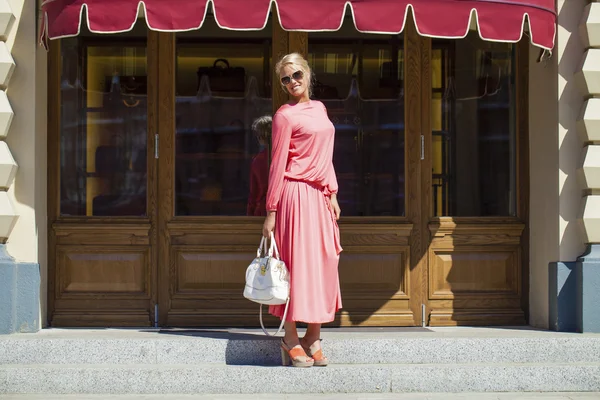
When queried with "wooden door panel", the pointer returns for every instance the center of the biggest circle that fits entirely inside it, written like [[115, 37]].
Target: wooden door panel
[[102, 270], [472, 270], [471, 282], [199, 271], [374, 274], [103, 274], [208, 268]]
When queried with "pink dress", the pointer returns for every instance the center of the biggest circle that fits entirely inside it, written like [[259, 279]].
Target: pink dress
[[301, 179]]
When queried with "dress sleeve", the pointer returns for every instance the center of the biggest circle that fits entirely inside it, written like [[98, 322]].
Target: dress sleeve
[[282, 134], [331, 185]]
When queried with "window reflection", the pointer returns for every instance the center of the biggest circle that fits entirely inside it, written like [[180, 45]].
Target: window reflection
[[223, 86], [473, 127], [359, 78], [103, 127]]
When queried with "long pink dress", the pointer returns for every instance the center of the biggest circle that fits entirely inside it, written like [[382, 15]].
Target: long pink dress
[[301, 179]]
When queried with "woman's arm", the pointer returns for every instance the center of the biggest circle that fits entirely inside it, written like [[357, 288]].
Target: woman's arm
[[282, 134]]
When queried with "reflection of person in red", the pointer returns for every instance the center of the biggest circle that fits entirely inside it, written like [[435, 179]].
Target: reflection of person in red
[[259, 169]]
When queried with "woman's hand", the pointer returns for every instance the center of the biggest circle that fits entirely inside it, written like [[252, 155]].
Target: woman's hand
[[269, 224], [336, 207]]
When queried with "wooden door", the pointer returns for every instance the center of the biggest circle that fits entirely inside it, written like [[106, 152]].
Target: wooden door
[[102, 180], [206, 238], [475, 181], [207, 148]]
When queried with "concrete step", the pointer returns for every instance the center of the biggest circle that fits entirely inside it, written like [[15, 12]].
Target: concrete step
[[227, 379], [321, 396], [190, 347], [233, 362]]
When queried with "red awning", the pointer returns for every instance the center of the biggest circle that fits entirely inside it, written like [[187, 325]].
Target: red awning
[[497, 20]]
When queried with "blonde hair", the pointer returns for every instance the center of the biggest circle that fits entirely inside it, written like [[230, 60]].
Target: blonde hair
[[300, 64]]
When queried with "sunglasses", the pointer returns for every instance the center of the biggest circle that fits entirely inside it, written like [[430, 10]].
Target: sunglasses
[[296, 76]]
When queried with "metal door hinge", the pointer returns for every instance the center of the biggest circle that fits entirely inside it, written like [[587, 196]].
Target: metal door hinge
[[156, 315], [423, 316], [422, 147], [156, 145]]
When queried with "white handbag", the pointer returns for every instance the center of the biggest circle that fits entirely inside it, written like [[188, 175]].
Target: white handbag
[[268, 280]]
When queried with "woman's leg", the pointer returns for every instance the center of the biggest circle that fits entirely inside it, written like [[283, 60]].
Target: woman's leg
[[291, 350], [311, 342], [291, 334], [313, 333]]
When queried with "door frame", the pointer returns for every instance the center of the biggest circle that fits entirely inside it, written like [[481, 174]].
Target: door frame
[[161, 111], [501, 234], [92, 234]]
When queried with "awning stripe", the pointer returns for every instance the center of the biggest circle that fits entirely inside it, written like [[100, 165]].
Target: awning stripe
[[497, 20]]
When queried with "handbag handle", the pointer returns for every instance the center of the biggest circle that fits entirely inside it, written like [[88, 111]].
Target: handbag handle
[[262, 248], [222, 61], [273, 247], [262, 325]]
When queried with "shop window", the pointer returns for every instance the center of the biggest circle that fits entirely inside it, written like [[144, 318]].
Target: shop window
[[473, 123], [223, 85], [359, 78], [103, 126]]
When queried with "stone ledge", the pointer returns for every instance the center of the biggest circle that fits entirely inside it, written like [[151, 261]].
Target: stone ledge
[[19, 295], [142, 379], [204, 347], [7, 19], [589, 218], [588, 124], [589, 27], [589, 174], [8, 166], [6, 114], [587, 271], [7, 65], [8, 216], [562, 297], [588, 78]]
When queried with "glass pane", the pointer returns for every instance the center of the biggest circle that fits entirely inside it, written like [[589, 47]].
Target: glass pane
[[103, 138], [359, 78], [473, 124], [223, 86]]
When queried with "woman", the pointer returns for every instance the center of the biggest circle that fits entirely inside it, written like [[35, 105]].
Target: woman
[[303, 210]]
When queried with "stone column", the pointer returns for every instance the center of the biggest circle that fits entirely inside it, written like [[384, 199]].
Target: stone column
[[588, 265], [19, 281], [555, 238]]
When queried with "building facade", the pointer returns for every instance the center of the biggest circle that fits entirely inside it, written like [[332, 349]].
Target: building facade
[[466, 152]]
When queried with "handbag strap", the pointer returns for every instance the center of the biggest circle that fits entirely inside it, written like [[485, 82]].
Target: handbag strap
[[287, 304], [273, 247], [262, 247]]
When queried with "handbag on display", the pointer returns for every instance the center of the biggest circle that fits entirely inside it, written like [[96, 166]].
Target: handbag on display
[[223, 78], [268, 280]]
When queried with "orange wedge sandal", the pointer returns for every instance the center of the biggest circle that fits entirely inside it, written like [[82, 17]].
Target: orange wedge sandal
[[296, 356], [317, 354]]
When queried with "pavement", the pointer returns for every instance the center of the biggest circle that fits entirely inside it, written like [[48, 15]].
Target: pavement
[[346, 396]]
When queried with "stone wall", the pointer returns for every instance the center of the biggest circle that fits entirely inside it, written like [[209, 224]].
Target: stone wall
[[588, 127], [20, 209]]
